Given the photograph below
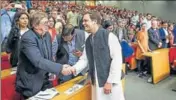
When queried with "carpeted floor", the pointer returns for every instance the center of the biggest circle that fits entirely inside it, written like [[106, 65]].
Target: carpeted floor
[[138, 89]]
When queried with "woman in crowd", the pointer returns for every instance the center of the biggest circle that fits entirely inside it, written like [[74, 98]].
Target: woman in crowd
[[52, 30], [142, 40], [19, 27], [171, 35]]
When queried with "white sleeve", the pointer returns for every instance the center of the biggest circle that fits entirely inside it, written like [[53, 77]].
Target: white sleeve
[[86, 35], [82, 63], [116, 63]]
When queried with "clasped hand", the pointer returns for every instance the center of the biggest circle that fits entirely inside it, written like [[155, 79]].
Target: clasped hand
[[68, 70]]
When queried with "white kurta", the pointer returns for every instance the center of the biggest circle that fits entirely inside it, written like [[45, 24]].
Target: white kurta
[[114, 74]]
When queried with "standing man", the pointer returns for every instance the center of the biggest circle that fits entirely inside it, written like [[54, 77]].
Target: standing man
[[72, 17], [35, 58], [154, 41], [103, 55], [164, 35], [71, 48], [154, 36]]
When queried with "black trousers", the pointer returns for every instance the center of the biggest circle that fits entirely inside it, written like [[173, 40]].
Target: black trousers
[[140, 65], [148, 64]]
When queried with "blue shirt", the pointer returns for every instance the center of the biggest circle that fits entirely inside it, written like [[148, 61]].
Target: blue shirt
[[6, 22], [72, 58]]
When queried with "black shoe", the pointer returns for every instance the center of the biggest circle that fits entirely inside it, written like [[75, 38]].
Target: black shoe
[[144, 74], [140, 75]]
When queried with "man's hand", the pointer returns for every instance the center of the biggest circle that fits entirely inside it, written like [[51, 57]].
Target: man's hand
[[73, 70], [66, 70], [160, 45], [77, 53], [107, 88], [149, 50], [9, 55]]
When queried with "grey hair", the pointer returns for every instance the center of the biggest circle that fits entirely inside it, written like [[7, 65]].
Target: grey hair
[[36, 17]]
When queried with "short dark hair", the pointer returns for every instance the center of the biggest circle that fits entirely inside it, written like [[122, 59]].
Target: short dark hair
[[107, 23], [30, 9], [164, 22], [68, 30], [94, 16], [149, 14], [170, 24]]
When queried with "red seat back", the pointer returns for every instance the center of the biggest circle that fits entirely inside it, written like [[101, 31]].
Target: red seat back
[[172, 55], [5, 64], [8, 88]]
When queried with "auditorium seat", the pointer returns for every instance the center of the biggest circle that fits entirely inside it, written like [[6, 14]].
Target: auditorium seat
[[8, 89], [175, 62], [5, 64], [132, 59], [172, 55]]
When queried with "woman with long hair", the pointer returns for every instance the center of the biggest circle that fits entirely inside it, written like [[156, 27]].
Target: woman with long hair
[[171, 35], [52, 30], [19, 27]]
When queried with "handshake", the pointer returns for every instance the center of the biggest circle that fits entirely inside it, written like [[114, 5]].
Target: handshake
[[68, 70]]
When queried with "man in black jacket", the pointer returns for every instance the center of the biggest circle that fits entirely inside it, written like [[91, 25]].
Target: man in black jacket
[[35, 58], [70, 48]]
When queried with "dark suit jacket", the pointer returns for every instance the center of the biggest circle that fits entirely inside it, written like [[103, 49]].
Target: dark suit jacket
[[174, 32], [162, 37], [33, 68], [62, 55], [154, 38], [63, 50]]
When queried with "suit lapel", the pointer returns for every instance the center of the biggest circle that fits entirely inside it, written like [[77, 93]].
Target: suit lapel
[[40, 47], [66, 47], [118, 33], [77, 42], [48, 45]]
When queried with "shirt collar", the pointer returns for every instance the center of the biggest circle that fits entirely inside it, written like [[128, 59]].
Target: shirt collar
[[40, 36]]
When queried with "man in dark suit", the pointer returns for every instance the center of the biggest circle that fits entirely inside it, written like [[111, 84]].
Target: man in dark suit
[[164, 35], [70, 48], [35, 58], [154, 42], [154, 36]]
